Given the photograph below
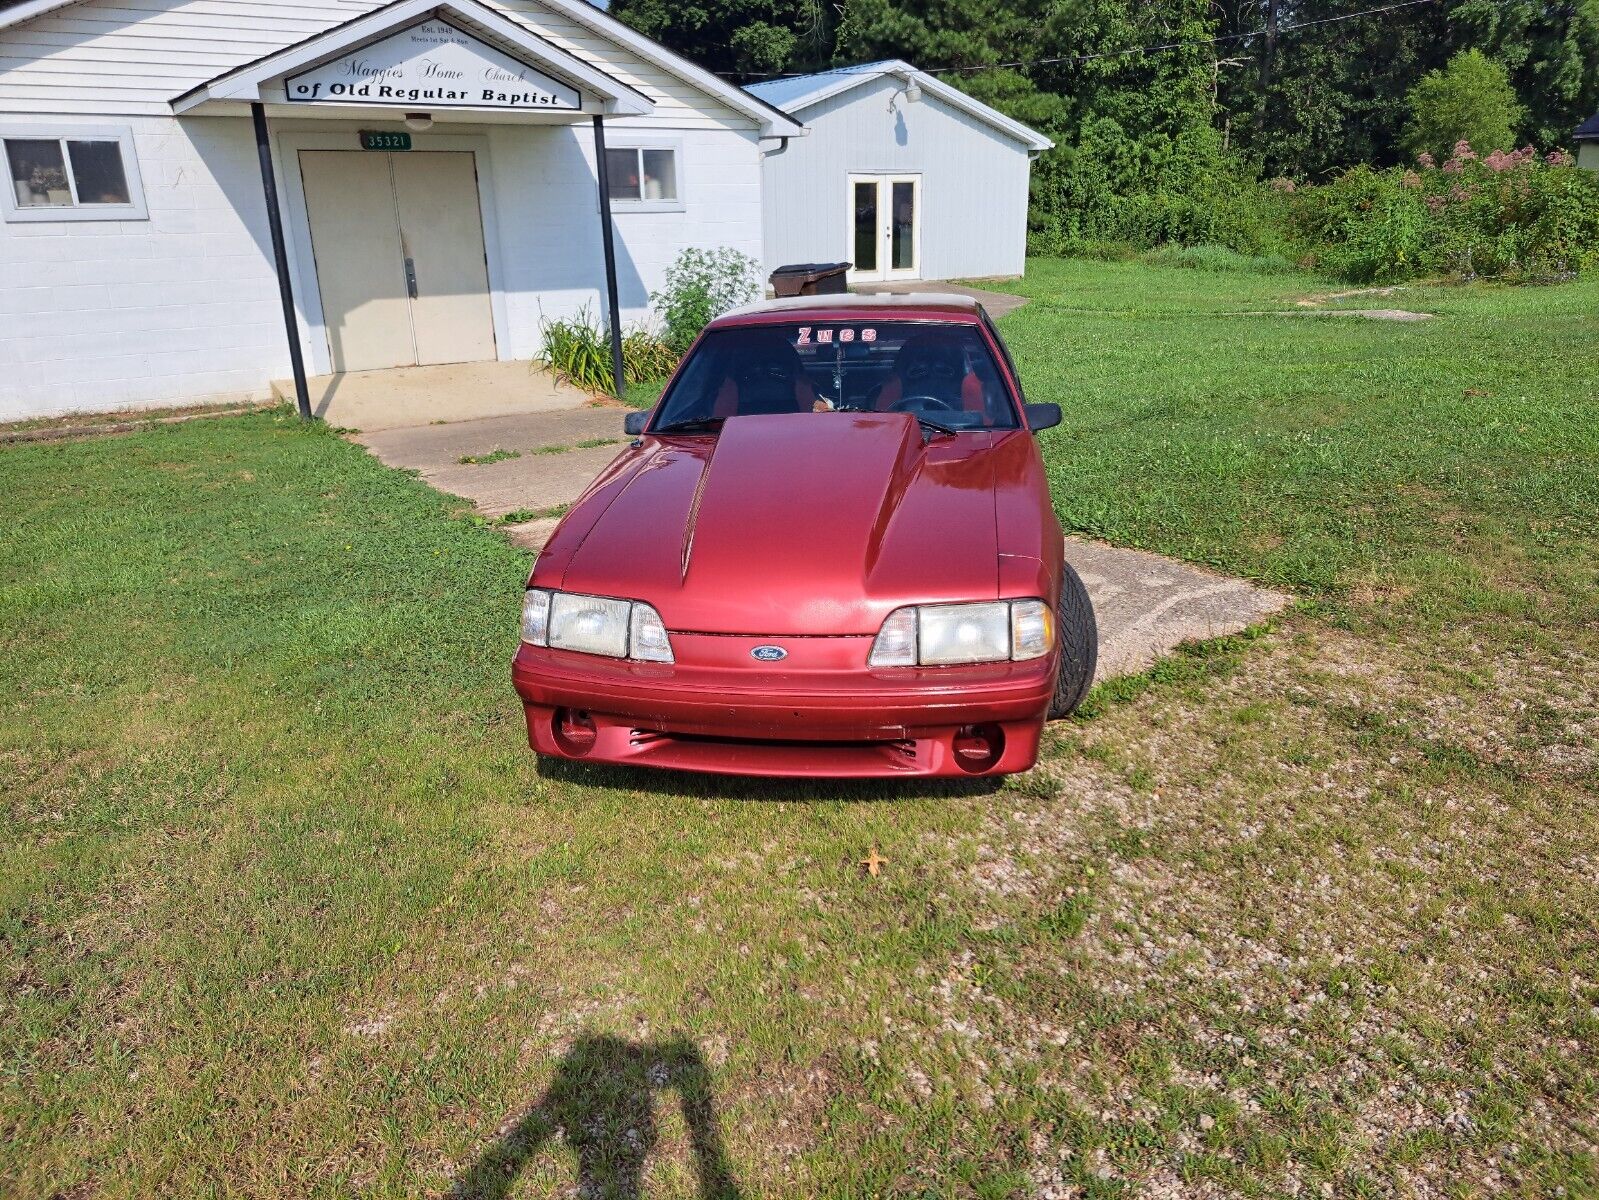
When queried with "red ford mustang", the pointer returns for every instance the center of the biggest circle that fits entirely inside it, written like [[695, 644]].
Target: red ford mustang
[[830, 552]]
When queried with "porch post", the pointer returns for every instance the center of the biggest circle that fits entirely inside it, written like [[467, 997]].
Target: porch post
[[613, 306], [280, 258]]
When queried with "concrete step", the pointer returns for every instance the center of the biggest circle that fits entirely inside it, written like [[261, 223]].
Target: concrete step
[[409, 396]]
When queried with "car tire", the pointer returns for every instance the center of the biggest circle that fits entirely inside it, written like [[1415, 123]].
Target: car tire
[[1079, 645]]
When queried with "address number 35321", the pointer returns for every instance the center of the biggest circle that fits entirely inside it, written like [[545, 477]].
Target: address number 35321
[[379, 139]]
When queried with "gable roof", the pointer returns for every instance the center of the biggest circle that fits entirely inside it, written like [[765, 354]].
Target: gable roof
[[245, 83], [794, 93], [1588, 131], [773, 121], [799, 91]]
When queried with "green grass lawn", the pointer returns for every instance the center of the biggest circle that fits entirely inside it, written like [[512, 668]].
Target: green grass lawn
[[288, 909], [1450, 463]]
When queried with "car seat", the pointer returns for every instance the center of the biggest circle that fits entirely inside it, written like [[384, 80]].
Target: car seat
[[765, 375], [929, 364]]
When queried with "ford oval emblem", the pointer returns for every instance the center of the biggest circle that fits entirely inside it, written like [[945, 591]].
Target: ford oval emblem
[[769, 653]]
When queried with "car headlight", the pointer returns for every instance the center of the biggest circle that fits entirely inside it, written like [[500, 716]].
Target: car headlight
[[594, 625], [939, 635]]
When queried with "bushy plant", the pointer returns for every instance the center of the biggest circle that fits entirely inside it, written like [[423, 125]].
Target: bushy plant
[[578, 350], [1470, 100], [1112, 188], [1503, 215], [645, 355], [700, 286], [1363, 226]]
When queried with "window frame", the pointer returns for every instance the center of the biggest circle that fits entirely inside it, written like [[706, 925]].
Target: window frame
[[135, 210], [636, 145]]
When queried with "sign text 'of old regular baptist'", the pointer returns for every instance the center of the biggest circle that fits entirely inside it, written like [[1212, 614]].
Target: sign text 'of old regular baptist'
[[432, 63]]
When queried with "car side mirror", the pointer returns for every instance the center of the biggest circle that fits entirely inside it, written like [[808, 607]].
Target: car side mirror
[[635, 422], [1042, 416]]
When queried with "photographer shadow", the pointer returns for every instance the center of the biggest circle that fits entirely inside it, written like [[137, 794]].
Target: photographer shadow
[[602, 1103]]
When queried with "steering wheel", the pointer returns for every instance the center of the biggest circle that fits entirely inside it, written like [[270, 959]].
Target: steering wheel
[[906, 403]]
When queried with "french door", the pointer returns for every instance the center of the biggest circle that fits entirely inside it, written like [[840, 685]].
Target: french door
[[885, 227]]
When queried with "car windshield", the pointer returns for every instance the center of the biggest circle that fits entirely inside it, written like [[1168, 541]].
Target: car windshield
[[943, 373]]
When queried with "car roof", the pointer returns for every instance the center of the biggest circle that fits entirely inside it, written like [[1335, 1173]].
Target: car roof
[[946, 306]]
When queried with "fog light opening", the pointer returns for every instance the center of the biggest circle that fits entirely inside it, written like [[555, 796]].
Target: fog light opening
[[978, 747], [574, 731]]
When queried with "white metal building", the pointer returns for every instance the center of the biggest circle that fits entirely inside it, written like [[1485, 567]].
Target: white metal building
[[432, 169], [901, 175]]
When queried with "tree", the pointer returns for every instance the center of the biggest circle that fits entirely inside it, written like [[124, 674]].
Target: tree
[[745, 39], [1551, 52], [1334, 95], [1163, 109], [1470, 100]]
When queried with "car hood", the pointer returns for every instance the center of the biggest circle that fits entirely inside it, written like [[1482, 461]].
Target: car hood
[[814, 523]]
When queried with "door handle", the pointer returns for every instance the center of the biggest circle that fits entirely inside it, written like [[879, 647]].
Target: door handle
[[410, 278]]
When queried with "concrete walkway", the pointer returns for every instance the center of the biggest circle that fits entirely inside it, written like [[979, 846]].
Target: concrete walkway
[[540, 462], [1146, 604], [401, 397]]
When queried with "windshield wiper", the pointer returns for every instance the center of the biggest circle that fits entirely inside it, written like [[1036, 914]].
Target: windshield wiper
[[935, 426], [698, 425]]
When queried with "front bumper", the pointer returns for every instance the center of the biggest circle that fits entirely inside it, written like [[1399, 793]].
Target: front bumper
[[820, 712]]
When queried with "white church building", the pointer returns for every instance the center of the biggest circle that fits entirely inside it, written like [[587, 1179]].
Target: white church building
[[433, 167], [200, 197]]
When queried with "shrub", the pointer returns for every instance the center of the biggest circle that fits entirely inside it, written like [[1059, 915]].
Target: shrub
[[578, 350], [1085, 248], [1506, 215], [1364, 226], [701, 285], [1114, 189]]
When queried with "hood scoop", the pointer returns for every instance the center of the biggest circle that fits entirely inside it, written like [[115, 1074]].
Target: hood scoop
[[806, 523]]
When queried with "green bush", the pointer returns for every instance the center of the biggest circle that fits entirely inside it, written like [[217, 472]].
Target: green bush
[[1113, 189], [1506, 215], [701, 285], [578, 350], [1503, 215], [645, 356], [1470, 100], [1094, 248]]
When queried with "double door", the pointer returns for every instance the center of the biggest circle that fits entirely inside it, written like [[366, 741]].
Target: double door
[[400, 264], [885, 214]]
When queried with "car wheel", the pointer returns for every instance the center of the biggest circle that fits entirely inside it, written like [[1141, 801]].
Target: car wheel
[[1079, 645]]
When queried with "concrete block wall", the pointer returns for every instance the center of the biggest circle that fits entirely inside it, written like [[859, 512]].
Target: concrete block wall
[[179, 308], [549, 224], [183, 308]]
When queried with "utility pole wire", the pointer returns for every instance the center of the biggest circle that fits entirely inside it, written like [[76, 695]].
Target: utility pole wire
[[1271, 32]]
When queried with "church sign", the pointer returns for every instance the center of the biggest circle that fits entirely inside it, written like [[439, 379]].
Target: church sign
[[432, 65]]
